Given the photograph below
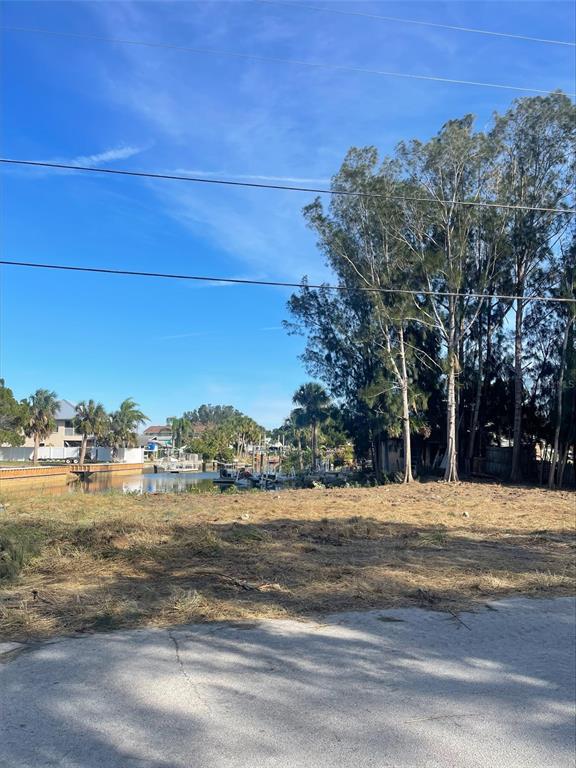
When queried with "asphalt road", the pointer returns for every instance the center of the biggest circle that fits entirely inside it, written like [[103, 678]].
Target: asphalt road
[[387, 689]]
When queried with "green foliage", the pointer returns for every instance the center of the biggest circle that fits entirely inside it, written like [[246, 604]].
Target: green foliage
[[294, 460], [123, 425], [343, 456], [40, 412], [181, 430], [313, 402], [91, 420], [13, 417], [18, 545], [213, 444], [226, 432], [313, 409], [414, 235], [212, 415]]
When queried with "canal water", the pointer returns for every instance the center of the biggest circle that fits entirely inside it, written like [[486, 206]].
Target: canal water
[[141, 482], [144, 482]]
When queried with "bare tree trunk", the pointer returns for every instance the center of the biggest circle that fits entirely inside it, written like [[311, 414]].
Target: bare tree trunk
[[516, 471], [541, 467], [477, 400], [314, 450], [486, 382], [83, 448], [408, 478], [300, 458], [559, 392], [36, 446], [451, 471]]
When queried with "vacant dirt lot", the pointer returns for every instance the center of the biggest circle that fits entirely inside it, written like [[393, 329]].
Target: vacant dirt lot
[[84, 563]]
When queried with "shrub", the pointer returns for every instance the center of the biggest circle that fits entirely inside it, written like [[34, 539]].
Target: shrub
[[17, 547]]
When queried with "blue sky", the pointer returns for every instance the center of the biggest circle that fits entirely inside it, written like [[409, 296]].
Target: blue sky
[[173, 345]]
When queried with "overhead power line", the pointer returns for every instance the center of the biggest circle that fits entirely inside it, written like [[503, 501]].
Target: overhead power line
[[419, 22], [284, 187], [276, 59], [280, 284]]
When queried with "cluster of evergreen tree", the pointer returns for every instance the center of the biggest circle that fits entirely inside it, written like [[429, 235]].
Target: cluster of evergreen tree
[[439, 252], [215, 432]]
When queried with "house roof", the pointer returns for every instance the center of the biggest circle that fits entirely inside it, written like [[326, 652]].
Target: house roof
[[66, 410]]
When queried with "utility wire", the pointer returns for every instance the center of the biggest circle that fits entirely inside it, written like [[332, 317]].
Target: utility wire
[[306, 7], [285, 187], [275, 59], [277, 283]]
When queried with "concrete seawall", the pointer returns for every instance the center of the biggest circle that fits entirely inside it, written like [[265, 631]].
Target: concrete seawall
[[17, 474]]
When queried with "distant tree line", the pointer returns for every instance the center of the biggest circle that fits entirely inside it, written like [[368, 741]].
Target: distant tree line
[[312, 431], [415, 343], [215, 432]]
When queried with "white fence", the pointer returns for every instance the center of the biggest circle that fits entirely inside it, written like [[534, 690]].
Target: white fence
[[122, 455], [25, 454], [103, 454]]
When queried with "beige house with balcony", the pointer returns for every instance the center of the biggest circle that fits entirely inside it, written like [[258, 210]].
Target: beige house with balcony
[[64, 436]]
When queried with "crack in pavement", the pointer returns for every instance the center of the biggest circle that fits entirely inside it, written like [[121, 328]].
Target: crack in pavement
[[185, 674]]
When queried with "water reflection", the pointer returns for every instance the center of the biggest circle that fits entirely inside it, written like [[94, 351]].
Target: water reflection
[[103, 482], [163, 482]]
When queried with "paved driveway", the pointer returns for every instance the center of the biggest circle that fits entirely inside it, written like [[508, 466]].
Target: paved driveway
[[400, 689]]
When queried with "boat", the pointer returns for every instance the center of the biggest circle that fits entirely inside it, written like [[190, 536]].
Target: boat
[[230, 474], [175, 466], [227, 475], [243, 477]]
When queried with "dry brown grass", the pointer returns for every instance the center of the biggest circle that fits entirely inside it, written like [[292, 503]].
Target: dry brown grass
[[106, 561]]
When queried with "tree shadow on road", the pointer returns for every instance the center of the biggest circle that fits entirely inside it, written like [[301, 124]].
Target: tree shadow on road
[[400, 688]]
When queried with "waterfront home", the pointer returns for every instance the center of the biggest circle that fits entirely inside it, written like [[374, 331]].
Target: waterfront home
[[161, 435], [64, 436]]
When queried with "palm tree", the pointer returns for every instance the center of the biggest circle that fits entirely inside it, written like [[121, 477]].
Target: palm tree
[[124, 424], [40, 421], [180, 427], [292, 429], [314, 408], [91, 419]]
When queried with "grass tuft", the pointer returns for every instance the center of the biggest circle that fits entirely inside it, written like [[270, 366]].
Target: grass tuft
[[18, 545]]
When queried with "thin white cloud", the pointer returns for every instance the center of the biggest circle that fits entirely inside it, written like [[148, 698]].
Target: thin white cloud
[[250, 176], [250, 227], [254, 120], [108, 156], [98, 158]]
